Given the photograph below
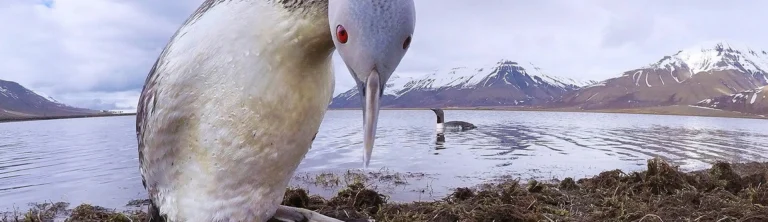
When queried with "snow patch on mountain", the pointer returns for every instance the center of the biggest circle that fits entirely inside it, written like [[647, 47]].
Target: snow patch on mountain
[[751, 95], [396, 85], [47, 97], [7, 93]]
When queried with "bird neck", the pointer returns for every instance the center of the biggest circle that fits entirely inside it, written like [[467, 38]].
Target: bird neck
[[304, 25], [440, 118], [440, 128]]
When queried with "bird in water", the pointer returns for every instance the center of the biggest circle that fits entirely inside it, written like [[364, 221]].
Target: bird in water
[[232, 104], [450, 125]]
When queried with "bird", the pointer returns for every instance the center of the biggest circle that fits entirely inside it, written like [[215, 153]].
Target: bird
[[451, 125], [233, 102]]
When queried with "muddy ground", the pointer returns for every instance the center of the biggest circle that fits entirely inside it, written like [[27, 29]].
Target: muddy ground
[[725, 192]]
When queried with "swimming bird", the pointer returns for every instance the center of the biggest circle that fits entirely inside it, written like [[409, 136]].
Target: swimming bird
[[451, 125], [233, 102]]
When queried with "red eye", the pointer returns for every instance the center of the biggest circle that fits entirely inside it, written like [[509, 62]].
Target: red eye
[[341, 34], [407, 43]]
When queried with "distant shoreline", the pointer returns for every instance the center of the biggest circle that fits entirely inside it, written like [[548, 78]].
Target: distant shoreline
[[36, 118], [675, 110]]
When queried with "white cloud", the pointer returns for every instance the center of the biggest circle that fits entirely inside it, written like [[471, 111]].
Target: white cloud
[[106, 100], [80, 51], [96, 53]]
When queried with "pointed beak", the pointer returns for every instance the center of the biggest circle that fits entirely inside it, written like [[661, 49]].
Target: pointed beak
[[370, 114]]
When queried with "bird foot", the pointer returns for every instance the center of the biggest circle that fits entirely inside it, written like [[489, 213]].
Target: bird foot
[[292, 214]]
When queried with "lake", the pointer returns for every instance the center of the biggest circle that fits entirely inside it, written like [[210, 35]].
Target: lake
[[94, 160]]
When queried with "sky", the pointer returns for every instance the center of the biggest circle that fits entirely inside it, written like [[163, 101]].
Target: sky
[[97, 53]]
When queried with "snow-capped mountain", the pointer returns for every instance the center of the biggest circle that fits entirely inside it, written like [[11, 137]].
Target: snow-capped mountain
[[17, 101], [685, 78], [721, 57], [751, 101], [504, 83]]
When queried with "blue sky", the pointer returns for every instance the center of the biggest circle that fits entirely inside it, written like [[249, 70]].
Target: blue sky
[[96, 53], [47, 3]]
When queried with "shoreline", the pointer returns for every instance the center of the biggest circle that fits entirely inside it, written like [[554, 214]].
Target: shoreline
[[675, 110], [661, 192], [39, 118]]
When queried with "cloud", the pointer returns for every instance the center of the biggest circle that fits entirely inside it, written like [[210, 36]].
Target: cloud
[[71, 49], [122, 100], [96, 53]]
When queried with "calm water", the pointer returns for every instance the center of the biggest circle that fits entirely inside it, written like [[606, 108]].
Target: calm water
[[95, 160]]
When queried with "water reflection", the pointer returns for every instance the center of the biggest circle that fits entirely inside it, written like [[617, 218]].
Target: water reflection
[[562, 138], [439, 141], [95, 160], [543, 145], [676, 144]]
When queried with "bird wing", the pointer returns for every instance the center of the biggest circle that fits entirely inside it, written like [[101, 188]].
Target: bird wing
[[147, 99], [144, 110]]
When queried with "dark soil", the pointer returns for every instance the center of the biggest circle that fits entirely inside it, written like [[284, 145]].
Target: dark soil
[[725, 192]]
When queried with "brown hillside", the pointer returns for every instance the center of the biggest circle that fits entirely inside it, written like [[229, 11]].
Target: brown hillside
[[649, 87], [751, 101]]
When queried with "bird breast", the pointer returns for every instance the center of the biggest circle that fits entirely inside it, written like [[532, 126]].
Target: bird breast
[[238, 96]]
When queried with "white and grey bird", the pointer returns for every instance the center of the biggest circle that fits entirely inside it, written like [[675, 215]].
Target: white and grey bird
[[234, 101]]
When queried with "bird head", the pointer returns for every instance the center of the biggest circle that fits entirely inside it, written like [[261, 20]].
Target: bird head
[[372, 36]]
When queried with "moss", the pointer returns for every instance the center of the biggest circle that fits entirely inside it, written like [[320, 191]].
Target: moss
[[568, 184], [296, 198]]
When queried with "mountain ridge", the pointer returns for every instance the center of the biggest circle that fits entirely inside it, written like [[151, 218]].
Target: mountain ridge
[[502, 83], [18, 101], [686, 77], [683, 78]]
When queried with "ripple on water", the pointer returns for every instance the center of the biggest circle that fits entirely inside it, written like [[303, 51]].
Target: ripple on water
[[95, 160]]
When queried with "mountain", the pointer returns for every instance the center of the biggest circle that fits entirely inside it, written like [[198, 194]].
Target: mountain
[[18, 101], [751, 101], [685, 78], [505, 83]]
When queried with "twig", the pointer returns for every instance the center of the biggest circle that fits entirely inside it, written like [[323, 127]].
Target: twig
[[752, 217], [438, 213], [652, 215], [126, 216], [545, 216], [725, 217], [529, 206]]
